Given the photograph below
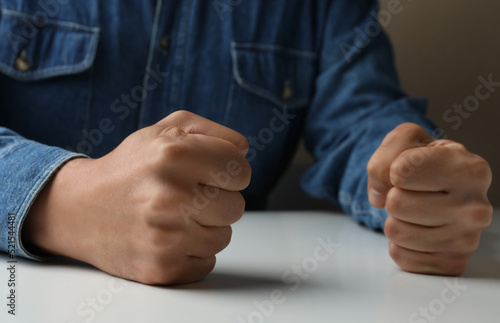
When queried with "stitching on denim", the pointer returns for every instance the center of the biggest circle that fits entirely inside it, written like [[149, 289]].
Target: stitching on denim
[[13, 147], [69, 25], [56, 70], [180, 57], [275, 49], [90, 97], [154, 32], [229, 103], [258, 90]]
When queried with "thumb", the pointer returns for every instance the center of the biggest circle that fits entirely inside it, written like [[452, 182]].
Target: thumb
[[403, 137]]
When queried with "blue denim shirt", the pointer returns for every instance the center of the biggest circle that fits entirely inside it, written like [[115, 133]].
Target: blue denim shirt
[[77, 77]]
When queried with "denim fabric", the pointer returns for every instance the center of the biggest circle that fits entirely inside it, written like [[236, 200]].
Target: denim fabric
[[77, 77]]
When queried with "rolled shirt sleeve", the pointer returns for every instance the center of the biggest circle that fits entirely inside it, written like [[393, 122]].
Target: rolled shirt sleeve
[[358, 100], [25, 167]]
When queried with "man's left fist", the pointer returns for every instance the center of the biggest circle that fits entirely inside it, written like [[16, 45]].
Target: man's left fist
[[435, 192]]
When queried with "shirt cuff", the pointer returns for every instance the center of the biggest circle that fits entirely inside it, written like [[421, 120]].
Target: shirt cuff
[[28, 168]]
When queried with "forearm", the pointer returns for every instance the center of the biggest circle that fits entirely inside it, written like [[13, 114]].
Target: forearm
[[358, 100]]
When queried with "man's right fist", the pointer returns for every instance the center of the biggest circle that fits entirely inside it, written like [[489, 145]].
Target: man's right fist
[[156, 210]]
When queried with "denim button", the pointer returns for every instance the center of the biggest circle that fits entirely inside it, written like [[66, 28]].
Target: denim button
[[165, 44], [22, 64], [287, 91]]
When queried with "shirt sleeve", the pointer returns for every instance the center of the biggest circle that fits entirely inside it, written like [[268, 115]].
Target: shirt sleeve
[[25, 167], [358, 100]]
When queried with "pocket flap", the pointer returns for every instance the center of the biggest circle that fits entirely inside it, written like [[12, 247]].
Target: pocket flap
[[284, 76], [30, 52]]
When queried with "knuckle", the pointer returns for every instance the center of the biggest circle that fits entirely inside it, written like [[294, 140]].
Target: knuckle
[[161, 208], [180, 116], [391, 229], [225, 236], [205, 269], [396, 253], [156, 204], [155, 238], [244, 145], [401, 170], [456, 145], [210, 265], [409, 130], [478, 168], [246, 173], [468, 243], [393, 201], [480, 215], [239, 171], [234, 207], [378, 173], [376, 167], [171, 133], [237, 207], [449, 143], [168, 150]]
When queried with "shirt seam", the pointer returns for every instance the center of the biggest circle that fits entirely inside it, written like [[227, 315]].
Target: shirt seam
[[68, 25]]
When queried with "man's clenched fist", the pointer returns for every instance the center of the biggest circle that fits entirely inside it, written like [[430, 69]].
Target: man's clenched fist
[[156, 210], [435, 192]]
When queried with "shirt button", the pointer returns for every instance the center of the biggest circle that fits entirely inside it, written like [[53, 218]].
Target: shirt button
[[165, 44], [287, 91], [22, 64]]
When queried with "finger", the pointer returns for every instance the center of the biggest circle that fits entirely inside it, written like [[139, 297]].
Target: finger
[[428, 263], [184, 270], [403, 137], [423, 208], [415, 237], [440, 168], [220, 208], [202, 206], [207, 241], [433, 209], [196, 269], [191, 123], [205, 160]]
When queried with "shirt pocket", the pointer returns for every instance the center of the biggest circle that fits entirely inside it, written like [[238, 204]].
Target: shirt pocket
[[45, 74], [279, 76], [58, 48]]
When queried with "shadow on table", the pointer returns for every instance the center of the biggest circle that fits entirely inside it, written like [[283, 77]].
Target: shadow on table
[[483, 267], [226, 281], [485, 263]]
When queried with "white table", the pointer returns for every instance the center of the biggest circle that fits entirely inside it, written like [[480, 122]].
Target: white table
[[352, 281]]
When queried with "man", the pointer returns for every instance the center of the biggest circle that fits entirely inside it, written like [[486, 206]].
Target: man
[[154, 204]]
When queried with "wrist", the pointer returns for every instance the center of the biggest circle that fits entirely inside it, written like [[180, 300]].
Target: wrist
[[49, 227]]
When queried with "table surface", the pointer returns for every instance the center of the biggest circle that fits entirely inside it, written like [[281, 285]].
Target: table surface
[[280, 267]]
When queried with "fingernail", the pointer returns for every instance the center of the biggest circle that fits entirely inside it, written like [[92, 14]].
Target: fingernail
[[376, 198]]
